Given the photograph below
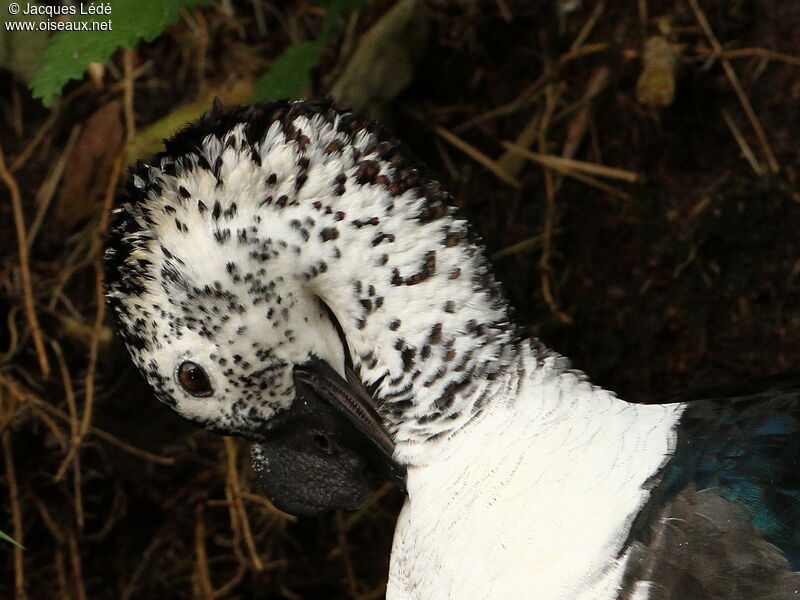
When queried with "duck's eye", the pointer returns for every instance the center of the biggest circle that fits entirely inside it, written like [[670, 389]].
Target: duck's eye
[[194, 380]]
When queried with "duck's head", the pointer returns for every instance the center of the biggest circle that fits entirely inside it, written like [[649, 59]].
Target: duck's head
[[249, 273]]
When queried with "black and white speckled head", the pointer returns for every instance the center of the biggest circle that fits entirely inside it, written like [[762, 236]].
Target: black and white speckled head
[[242, 245]]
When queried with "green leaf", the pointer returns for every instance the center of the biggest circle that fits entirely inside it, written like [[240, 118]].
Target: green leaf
[[69, 52], [290, 74], [8, 538]]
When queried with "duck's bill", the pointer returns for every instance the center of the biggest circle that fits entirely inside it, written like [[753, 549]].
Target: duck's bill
[[315, 455]]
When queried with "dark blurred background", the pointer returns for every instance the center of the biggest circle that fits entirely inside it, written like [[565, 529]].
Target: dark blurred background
[[650, 233]]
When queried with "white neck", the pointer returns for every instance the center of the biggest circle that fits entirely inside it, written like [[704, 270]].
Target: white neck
[[544, 489]]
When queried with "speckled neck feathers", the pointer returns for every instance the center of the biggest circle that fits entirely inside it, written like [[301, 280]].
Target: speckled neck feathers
[[254, 215]]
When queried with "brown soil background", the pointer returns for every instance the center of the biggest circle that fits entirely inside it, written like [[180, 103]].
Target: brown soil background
[[689, 276]]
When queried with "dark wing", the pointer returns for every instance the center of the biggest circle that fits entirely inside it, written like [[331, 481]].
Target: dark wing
[[723, 520]]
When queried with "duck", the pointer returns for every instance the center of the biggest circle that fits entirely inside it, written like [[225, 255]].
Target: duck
[[289, 273]]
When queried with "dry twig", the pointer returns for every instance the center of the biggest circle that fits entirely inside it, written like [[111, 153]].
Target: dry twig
[[88, 404], [550, 217], [732, 77], [344, 552], [75, 563], [14, 388], [16, 519], [561, 164], [202, 578], [478, 156], [743, 145], [48, 188], [236, 494], [25, 274], [587, 28], [752, 52], [37, 139]]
